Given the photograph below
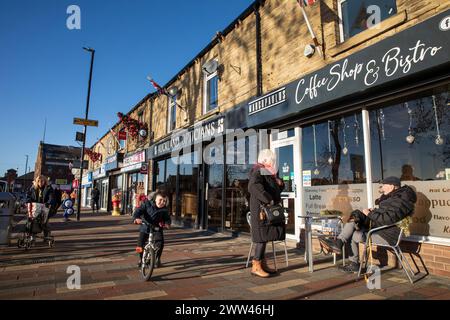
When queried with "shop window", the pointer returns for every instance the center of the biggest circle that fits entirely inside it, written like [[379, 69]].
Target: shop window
[[411, 140], [333, 166], [357, 16], [172, 114], [283, 134], [188, 196], [211, 92], [241, 157]]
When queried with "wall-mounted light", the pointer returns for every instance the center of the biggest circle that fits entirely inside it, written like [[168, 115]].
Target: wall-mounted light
[[310, 49], [173, 91]]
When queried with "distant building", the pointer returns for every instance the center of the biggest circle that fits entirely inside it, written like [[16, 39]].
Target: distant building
[[55, 162], [24, 182]]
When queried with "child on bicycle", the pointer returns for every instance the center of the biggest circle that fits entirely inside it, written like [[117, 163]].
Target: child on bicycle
[[155, 213]]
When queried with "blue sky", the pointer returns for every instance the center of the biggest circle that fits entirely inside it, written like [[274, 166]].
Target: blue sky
[[44, 71]]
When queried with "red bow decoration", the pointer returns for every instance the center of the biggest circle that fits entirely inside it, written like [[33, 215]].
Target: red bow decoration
[[131, 125], [94, 156]]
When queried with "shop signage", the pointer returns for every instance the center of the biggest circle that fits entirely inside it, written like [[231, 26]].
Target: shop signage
[[99, 172], [200, 132], [87, 179], [422, 47], [138, 157], [112, 163], [60, 181], [144, 168], [133, 167]]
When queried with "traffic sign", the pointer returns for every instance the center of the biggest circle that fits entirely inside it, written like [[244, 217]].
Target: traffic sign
[[79, 137], [85, 122]]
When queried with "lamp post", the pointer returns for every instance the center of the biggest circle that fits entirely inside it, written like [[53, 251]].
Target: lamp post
[[26, 164], [92, 51]]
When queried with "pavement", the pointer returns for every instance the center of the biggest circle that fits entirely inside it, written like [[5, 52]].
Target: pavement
[[197, 265]]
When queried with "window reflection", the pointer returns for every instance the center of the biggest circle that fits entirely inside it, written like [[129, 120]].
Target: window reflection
[[411, 140]]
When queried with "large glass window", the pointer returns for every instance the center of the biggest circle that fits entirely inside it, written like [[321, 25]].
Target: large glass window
[[333, 166], [411, 140], [166, 180], [189, 189], [357, 16], [240, 160]]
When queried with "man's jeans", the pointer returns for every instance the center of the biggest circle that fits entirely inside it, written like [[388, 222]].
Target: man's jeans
[[349, 232]]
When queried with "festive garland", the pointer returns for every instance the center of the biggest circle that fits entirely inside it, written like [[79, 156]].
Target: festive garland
[[94, 156], [131, 125]]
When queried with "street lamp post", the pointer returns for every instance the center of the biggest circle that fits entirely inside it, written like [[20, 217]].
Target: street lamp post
[[92, 51]]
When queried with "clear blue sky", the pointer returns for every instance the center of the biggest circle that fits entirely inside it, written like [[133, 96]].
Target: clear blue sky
[[44, 71]]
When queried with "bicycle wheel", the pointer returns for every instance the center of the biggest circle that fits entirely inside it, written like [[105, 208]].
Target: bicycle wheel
[[148, 263]]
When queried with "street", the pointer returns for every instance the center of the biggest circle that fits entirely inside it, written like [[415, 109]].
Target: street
[[197, 265]]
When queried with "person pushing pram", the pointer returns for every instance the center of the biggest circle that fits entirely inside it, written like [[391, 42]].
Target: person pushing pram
[[40, 198]]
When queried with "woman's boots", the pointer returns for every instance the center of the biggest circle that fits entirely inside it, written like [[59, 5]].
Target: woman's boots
[[266, 268], [257, 269]]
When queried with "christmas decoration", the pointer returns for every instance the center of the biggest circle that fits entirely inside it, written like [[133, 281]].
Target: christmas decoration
[[357, 127], [94, 156], [410, 138], [132, 126], [330, 159], [316, 172], [439, 140], [345, 149]]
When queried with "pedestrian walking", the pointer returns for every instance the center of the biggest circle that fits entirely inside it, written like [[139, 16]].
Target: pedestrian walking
[[42, 192], [95, 197]]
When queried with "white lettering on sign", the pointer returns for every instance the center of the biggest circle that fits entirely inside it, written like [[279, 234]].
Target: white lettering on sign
[[393, 62]]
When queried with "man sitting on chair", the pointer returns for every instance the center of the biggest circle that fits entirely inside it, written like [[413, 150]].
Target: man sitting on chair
[[395, 204]]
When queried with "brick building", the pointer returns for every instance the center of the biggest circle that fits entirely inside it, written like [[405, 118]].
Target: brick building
[[367, 99], [53, 161]]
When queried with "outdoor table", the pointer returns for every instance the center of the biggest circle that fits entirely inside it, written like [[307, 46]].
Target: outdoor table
[[308, 236]]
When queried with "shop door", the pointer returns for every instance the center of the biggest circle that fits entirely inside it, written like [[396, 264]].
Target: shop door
[[104, 195], [286, 151], [213, 195]]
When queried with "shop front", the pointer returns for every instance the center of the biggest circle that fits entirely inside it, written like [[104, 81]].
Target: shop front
[[86, 187], [194, 188], [383, 111], [102, 184], [136, 177], [114, 182]]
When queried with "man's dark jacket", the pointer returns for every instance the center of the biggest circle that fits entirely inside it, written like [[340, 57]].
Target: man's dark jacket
[[149, 212], [95, 194], [393, 208]]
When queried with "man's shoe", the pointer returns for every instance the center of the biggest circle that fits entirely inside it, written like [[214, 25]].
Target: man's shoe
[[334, 245], [351, 268], [158, 263], [139, 264]]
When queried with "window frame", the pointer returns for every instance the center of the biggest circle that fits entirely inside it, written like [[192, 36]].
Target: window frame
[[172, 103], [207, 77], [341, 21]]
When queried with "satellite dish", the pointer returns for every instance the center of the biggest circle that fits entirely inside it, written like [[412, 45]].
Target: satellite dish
[[211, 66]]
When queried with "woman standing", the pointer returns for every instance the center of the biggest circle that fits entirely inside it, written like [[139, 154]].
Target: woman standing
[[265, 188]]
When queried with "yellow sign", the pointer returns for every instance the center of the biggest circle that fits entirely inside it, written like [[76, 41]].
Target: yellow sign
[[85, 122], [61, 181]]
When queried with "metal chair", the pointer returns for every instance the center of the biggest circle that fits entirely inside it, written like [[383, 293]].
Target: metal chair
[[396, 248], [248, 215]]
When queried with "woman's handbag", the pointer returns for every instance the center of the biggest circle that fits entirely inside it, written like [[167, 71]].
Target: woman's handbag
[[272, 214]]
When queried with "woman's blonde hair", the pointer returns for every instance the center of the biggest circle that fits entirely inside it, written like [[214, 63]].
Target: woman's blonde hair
[[38, 178], [267, 156]]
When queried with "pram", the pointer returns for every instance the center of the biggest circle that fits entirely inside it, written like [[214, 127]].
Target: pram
[[36, 223]]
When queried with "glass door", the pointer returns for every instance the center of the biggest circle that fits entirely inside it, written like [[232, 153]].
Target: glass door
[[287, 154], [104, 195]]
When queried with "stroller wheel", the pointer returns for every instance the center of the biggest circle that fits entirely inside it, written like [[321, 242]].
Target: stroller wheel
[[51, 243], [20, 243]]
